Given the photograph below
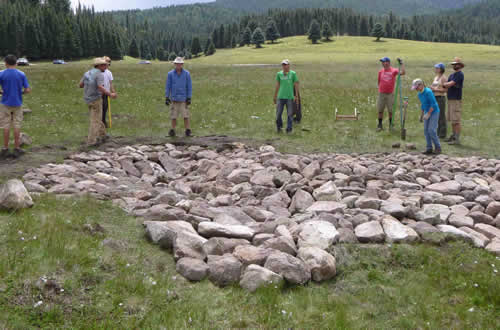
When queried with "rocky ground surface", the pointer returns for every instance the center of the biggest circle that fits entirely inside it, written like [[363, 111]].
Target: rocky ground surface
[[257, 216]]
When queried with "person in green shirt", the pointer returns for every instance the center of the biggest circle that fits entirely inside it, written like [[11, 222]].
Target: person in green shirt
[[287, 90]]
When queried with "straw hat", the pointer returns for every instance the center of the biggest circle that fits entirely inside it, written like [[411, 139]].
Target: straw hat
[[458, 60], [179, 60], [99, 61]]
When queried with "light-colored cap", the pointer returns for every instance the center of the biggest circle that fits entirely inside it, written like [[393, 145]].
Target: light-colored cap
[[107, 59], [285, 61], [417, 82], [99, 61], [179, 60], [457, 60]]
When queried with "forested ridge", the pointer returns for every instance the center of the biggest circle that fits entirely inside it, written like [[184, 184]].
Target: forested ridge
[[49, 29]]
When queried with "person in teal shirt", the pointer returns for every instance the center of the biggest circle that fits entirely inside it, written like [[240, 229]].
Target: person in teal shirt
[[430, 116], [287, 90]]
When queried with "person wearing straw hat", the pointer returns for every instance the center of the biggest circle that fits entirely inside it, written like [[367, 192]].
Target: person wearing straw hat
[[430, 116], [93, 84], [455, 85], [286, 92], [108, 85], [178, 94], [440, 93]]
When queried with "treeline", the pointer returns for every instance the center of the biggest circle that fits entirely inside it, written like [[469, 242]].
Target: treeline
[[49, 29]]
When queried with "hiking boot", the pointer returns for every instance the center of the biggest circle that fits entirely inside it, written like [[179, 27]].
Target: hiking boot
[[380, 128], [18, 152], [455, 142], [437, 151], [188, 132], [288, 131], [451, 138], [171, 133], [428, 152], [4, 154]]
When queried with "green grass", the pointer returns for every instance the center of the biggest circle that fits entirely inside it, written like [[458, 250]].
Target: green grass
[[399, 286], [133, 284]]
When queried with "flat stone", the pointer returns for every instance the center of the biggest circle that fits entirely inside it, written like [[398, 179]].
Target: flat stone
[[320, 234], [396, 232], [251, 255], [327, 206], [478, 239], [370, 232], [460, 221], [434, 214], [394, 209], [447, 187], [487, 230], [256, 277], [459, 210], [211, 229], [282, 244], [455, 232], [480, 217]]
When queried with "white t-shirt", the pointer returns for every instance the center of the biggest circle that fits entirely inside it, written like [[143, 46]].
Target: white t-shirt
[[108, 78]]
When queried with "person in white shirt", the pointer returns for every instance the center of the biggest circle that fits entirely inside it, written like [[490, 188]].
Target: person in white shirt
[[108, 85]]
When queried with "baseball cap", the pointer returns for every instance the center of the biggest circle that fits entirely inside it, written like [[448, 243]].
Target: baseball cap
[[286, 61], [440, 66], [417, 82], [385, 59]]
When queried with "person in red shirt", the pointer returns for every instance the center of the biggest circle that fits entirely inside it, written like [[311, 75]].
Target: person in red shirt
[[386, 81]]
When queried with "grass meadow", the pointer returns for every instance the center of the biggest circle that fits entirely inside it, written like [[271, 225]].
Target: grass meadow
[[56, 271]]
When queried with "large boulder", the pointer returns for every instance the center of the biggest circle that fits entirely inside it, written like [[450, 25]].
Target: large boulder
[[320, 263], [189, 245], [164, 232], [301, 201], [319, 234], [14, 196], [212, 229], [192, 269], [256, 276], [224, 270], [370, 232], [396, 232], [251, 255], [292, 269], [328, 192]]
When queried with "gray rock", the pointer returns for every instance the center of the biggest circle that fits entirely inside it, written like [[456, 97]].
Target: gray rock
[[170, 164], [346, 235], [447, 187], [460, 221], [292, 269], [328, 192], [256, 277], [455, 232], [301, 201], [224, 270], [251, 255], [396, 232], [222, 245], [192, 269], [282, 230], [494, 246], [394, 209], [423, 228], [478, 239], [370, 232], [291, 165], [158, 231], [259, 239], [487, 230], [189, 245], [493, 209], [14, 196], [240, 176], [326, 206], [311, 170], [320, 263], [434, 214], [320, 234], [282, 244], [211, 229], [263, 178], [258, 214], [459, 210], [480, 217]]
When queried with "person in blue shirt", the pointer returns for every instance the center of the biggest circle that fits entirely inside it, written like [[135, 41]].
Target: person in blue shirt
[[13, 85], [455, 85], [178, 94], [430, 116]]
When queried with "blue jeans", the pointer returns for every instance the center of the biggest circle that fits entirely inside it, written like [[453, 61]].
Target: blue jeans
[[430, 131], [280, 106]]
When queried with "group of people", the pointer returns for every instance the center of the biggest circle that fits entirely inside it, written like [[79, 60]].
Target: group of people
[[98, 90], [432, 99]]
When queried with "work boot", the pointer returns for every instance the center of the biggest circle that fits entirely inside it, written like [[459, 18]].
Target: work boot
[[188, 132], [428, 152], [288, 131], [171, 133], [380, 127], [451, 138], [437, 151], [456, 141], [18, 152], [4, 154]]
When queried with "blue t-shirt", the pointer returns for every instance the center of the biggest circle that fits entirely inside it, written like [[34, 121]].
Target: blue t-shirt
[[455, 92], [13, 81], [428, 100]]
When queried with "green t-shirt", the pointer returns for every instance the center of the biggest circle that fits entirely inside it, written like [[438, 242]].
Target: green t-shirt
[[286, 84]]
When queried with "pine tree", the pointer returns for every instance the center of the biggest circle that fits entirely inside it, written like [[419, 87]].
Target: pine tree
[[195, 46], [211, 49], [314, 31], [272, 32], [246, 39], [172, 56], [326, 31], [207, 46], [378, 31], [258, 38], [133, 49]]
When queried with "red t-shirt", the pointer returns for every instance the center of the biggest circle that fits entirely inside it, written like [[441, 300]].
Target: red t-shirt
[[386, 80]]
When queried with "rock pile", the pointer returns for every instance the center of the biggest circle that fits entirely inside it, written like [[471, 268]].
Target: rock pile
[[257, 217]]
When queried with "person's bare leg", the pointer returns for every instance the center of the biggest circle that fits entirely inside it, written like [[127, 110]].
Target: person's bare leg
[[187, 124], [6, 136], [174, 123], [17, 138]]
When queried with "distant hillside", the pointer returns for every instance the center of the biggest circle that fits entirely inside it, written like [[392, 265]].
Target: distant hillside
[[487, 9], [376, 7]]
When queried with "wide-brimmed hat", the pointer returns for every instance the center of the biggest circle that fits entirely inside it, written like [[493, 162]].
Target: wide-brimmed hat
[[417, 82], [458, 60], [99, 61], [285, 61], [179, 60], [107, 59]]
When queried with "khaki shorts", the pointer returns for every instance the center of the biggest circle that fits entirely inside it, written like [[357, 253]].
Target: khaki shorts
[[454, 114], [10, 116], [385, 101], [179, 109]]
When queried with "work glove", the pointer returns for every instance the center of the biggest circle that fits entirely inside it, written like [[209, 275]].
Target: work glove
[[421, 118], [188, 101], [167, 101], [400, 61], [427, 116]]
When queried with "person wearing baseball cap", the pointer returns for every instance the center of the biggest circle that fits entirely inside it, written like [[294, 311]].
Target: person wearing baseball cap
[[455, 85], [440, 93], [430, 116], [286, 92], [386, 81], [178, 94], [94, 90]]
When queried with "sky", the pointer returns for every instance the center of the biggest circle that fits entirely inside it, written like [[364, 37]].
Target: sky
[[101, 5]]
